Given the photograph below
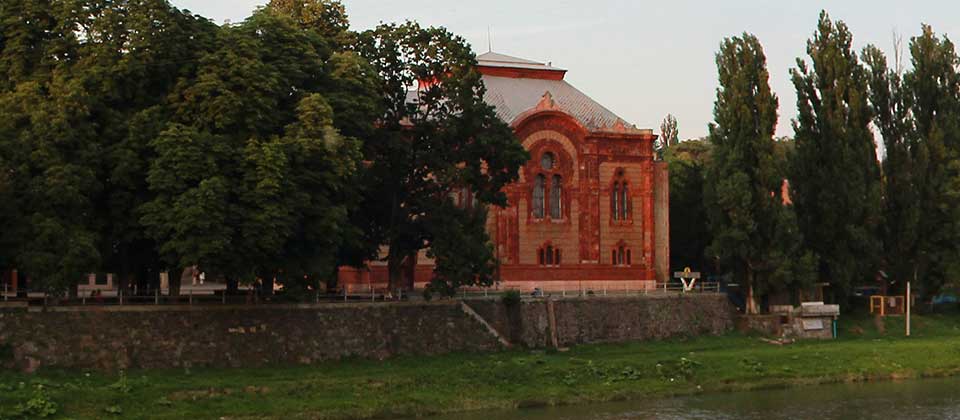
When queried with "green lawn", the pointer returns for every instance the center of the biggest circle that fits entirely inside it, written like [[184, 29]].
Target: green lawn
[[419, 386]]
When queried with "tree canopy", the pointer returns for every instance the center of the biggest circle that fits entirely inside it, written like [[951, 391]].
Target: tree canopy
[[437, 137], [754, 232], [835, 181]]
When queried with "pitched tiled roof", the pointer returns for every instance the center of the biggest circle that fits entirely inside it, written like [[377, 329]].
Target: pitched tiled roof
[[513, 96]]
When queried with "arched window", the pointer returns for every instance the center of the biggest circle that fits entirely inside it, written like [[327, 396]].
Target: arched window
[[620, 256], [556, 193], [615, 201], [624, 202], [548, 255], [621, 207], [538, 196]]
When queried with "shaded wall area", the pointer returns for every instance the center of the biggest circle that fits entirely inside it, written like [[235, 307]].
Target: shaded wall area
[[113, 338]]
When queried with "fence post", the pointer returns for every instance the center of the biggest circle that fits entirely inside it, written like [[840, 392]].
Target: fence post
[[318, 296], [190, 298], [120, 292], [5, 293], [223, 297], [345, 292], [156, 297]]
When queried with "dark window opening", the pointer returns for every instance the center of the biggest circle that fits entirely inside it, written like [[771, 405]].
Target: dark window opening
[[556, 193], [538, 196]]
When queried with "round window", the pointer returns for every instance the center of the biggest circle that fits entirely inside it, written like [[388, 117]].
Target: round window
[[546, 161]]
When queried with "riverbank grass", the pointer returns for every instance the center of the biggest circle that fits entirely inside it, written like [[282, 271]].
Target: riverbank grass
[[416, 386]]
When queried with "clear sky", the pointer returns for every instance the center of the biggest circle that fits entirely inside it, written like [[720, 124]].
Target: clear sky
[[643, 59]]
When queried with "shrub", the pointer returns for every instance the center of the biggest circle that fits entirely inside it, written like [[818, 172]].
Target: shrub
[[511, 297]]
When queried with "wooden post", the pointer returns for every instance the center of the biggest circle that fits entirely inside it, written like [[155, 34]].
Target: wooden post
[[908, 308]]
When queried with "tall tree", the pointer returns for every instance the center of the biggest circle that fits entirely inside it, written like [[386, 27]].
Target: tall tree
[[901, 199], [754, 232], [436, 137], [689, 231], [669, 135], [932, 88], [836, 175], [251, 173]]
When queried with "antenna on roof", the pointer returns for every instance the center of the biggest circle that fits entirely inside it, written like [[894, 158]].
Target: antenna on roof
[[489, 40]]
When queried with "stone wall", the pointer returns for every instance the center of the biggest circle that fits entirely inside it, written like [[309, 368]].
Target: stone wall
[[163, 337], [111, 338], [609, 319]]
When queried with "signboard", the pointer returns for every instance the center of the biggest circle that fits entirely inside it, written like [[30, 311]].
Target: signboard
[[686, 275], [812, 324]]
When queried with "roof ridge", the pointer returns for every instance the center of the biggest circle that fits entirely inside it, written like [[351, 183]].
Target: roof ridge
[[504, 58]]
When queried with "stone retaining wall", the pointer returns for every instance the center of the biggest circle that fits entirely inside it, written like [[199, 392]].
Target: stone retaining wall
[[111, 338], [610, 319]]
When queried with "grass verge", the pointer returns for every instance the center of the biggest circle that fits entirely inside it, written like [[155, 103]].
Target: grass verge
[[417, 386]]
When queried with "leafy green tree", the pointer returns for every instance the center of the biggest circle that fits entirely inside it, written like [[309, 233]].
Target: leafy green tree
[[932, 90], [754, 233], [251, 174], [836, 176], [901, 199], [326, 17], [669, 136], [689, 232], [436, 136]]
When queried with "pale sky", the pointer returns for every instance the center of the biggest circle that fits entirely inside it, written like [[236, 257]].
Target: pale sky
[[644, 59]]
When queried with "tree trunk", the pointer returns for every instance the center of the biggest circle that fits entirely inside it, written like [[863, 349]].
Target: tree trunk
[[751, 303], [410, 272], [174, 280]]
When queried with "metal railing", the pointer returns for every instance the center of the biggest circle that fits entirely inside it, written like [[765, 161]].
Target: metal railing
[[347, 293]]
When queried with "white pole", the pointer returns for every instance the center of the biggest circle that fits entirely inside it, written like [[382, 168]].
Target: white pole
[[908, 309]]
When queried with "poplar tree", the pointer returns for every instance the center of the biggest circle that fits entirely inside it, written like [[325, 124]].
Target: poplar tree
[[754, 232], [836, 176], [669, 135], [901, 209], [932, 88]]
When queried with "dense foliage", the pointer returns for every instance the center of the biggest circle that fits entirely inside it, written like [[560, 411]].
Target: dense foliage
[[138, 138], [754, 233]]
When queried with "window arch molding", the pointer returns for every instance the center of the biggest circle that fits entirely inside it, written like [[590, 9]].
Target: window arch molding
[[621, 192], [549, 176]]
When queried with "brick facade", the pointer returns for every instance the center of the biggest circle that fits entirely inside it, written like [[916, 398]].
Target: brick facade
[[602, 236]]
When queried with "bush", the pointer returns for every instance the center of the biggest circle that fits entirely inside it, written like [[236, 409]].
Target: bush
[[511, 297]]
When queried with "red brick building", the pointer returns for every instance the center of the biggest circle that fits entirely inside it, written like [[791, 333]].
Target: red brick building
[[590, 209]]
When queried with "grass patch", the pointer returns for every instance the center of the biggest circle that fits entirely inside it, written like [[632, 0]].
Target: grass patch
[[416, 386]]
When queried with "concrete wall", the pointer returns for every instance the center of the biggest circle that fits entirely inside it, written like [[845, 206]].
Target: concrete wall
[[111, 338]]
